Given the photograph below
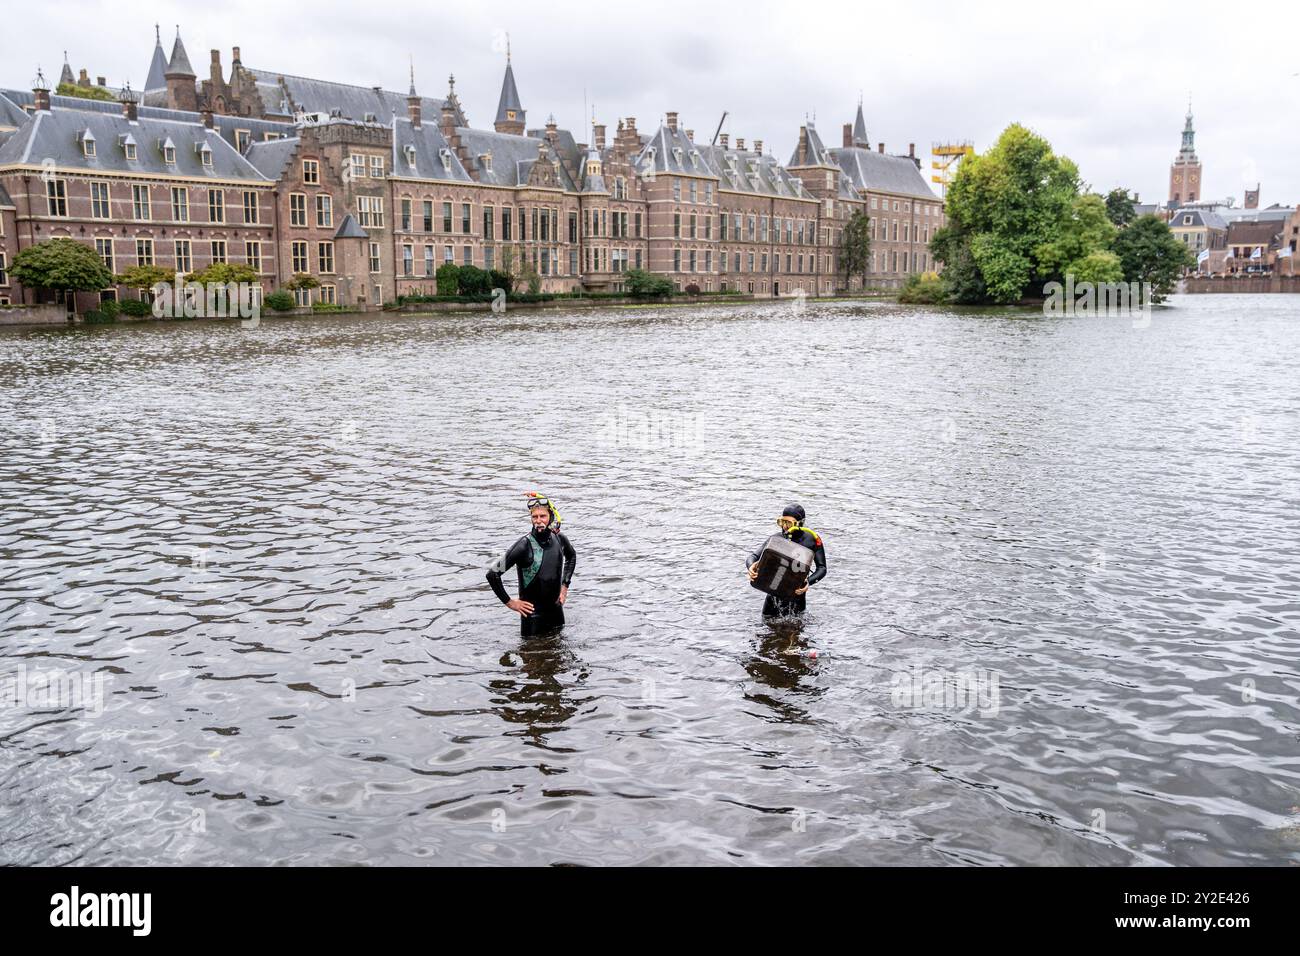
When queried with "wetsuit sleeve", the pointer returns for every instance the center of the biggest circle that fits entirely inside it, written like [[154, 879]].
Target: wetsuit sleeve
[[819, 563], [754, 556], [502, 565], [570, 560]]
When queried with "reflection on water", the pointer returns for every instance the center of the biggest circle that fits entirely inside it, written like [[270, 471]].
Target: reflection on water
[[1060, 624]]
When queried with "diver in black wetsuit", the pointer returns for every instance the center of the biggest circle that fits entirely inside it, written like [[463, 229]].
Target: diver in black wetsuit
[[791, 524], [545, 560]]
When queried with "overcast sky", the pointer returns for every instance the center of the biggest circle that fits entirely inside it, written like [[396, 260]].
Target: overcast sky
[[1106, 82]]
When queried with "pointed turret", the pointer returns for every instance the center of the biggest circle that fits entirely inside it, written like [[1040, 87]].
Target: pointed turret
[[860, 129], [157, 66], [66, 76], [182, 88], [179, 64], [510, 113]]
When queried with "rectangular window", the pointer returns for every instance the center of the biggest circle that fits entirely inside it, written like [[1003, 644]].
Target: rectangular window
[[408, 259], [325, 257], [406, 215], [677, 260], [448, 255], [324, 211], [428, 215], [144, 252], [488, 224], [693, 226], [374, 258], [327, 294], [428, 261], [99, 200], [103, 247], [489, 258], [692, 261], [180, 204], [376, 167], [250, 207], [297, 209], [56, 197], [253, 253], [218, 250], [242, 138], [140, 208], [216, 205], [573, 262], [310, 172], [677, 225], [467, 256], [464, 217], [299, 249], [446, 217], [505, 223], [358, 166], [184, 258], [636, 224], [695, 196]]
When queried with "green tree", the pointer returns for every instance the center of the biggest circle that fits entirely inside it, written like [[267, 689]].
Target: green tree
[[225, 273], [1003, 206], [471, 280], [1099, 267], [61, 264], [855, 247], [1149, 252], [1086, 231], [145, 277], [93, 93], [448, 279], [1120, 207], [302, 280], [647, 284]]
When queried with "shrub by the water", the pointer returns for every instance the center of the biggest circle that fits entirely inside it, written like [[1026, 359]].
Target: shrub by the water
[[135, 308], [923, 289], [279, 301]]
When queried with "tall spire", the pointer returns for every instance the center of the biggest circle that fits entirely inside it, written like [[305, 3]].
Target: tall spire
[[510, 113], [1188, 150], [412, 90], [157, 78], [66, 75], [179, 65], [860, 128]]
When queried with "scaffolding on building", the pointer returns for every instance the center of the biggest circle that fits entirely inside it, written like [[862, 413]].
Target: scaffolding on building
[[947, 159]]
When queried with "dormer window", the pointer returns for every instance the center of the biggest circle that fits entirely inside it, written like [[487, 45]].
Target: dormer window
[[486, 160], [205, 153], [168, 151], [127, 142], [88, 143], [446, 159], [410, 155], [695, 158], [677, 154]]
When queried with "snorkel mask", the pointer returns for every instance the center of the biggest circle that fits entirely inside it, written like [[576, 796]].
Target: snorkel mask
[[536, 500]]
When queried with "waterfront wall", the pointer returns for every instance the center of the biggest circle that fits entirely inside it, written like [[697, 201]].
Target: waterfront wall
[[52, 314], [1241, 284]]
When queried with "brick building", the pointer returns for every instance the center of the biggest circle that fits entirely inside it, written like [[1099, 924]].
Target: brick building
[[370, 191]]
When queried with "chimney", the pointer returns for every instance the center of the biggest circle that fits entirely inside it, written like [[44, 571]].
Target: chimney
[[882, 148], [758, 146], [234, 58], [740, 142], [690, 134], [725, 140], [911, 150], [84, 79], [672, 122], [206, 114], [128, 105], [41, 93], [101, 81], [413, 109], [448, 121], [848, 135], [600, 136]]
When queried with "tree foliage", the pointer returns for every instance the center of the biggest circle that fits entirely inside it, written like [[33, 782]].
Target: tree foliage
[[145, 277], [1120, 207], [647, 284], [85, 93], [1148, 251], [61, 264], [855, 247]]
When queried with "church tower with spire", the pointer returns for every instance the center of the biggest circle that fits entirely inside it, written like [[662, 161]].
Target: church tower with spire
[[1185, 173], [510, 114]]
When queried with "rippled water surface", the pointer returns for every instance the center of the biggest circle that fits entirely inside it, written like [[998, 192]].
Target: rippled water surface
[[270, 547]]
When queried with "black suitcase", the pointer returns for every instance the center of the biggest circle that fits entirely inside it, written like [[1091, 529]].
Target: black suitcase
[[783, 567]]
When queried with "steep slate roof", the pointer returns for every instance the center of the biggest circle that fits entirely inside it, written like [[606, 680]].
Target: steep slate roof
[[753, 173], [56, 135], [157, 79], [512, 157], [179, 63], [66, 76], [879, 172], [324, 96], [258, 128], [818, 155], [860, 128], [1199, 218], [11, 114], [669, 151], [509, 98], [428, 144], [270, 158], [348, 229]]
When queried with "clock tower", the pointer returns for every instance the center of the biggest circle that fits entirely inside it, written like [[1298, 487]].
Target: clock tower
[[1185, 173]]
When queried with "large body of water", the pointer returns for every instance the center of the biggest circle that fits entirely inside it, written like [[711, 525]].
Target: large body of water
[[270, 546]]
